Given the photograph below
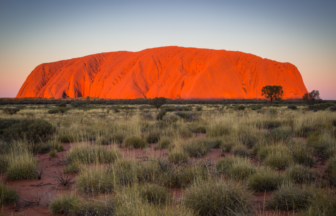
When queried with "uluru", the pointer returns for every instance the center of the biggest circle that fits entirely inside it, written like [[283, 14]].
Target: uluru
[[170, 72]]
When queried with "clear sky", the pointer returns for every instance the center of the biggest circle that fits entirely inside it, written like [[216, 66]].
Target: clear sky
[[300, 32]]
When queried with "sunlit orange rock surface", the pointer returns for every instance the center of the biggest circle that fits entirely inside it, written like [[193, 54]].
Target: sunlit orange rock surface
[[171, 72]]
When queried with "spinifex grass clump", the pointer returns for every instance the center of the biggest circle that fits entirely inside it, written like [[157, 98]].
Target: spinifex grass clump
[[134, 142], [323, 143], [153, 137], [21, 167], [7, 194], [300, 174], [95, 180], [152, 171], [177, 156], [279, 134], [241, 169], [118, 138], [269, 124], [196, 147], [331, 170], [218, 130], [124, 172], [65, 204], [218, 198], [264, 180], [164, 143], [290, 197], [302, 154], [184, 133], [240, 150], [183, 176], [278, 156], [155, 194], [86, 154]]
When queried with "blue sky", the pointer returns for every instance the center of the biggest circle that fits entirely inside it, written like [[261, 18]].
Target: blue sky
[[300, 32]]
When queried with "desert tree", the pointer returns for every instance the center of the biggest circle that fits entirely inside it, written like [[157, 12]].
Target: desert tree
[[158, 102], [312, 96], [272, 92]]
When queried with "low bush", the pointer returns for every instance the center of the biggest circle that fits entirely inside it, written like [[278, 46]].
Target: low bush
[[94, 180], [279, 134], [66, 138], [248, 140], [227, 144], [65, 204], [197, 128], [223, 165], [323, 202], [58, 110], [218, 198], [292, 107], [305, 131], [164, 143], [302, 154], [153, 137], [155, 194], [7, 194], [151, 171], [187, 116], [103, 140], [218, 130], [241, 107], [300, 174], [290, 197], [95, 208], [134, 142], [32, 130], [171, 118], [264, 180], [269, 124], [92, 154], [10, 111]]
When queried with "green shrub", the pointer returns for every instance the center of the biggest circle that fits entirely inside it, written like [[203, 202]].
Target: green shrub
[[155, 194], [197, 128], [264, 180], [7, 194], [151, 171], [171, 118], [279, 134], [87, 155], [134, 142], [290, 197], [153, 137], [177, 156], [218, 130], [240, 150], [58, 110], [227, 145], [103, 140], [300, 174], [32, 130], [302, 154], [187, 116], [305, 131], [10, 111], [65, 204], [241, 107], [218, 198], [95, 181], [323, 202], [164, 143], [199, 108]]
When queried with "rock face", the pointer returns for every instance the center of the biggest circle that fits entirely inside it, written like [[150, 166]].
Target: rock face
[[171, 72]]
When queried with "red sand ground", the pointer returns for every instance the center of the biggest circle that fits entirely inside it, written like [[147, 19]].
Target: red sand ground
[[29, 191], [171, 72]]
